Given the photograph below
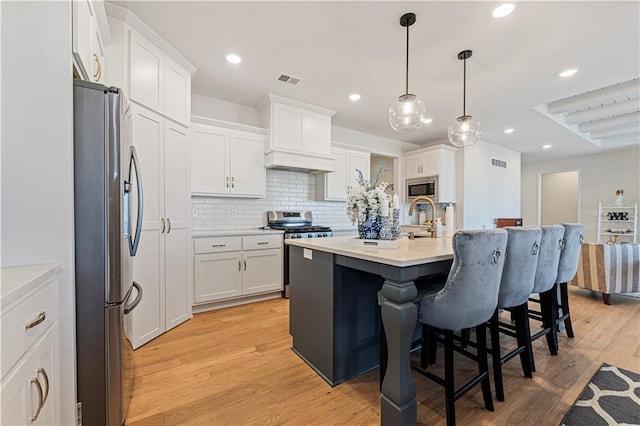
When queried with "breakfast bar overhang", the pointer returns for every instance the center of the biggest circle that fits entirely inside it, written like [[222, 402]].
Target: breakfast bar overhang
[[334, 313]]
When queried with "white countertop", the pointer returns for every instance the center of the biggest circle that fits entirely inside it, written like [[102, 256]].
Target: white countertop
[[16, 281], [231, 232], [415, 252]]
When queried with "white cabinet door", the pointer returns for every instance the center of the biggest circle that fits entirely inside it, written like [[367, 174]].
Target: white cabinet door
[[336, 182], [177, 89], [147, 320], [412, 167], [178, 305], [262, 271], [246, 162], [358, 161], [20, 396], [146, 72], [209, 160], [97, 56], [83, 27], [218, 276], [431, 164]]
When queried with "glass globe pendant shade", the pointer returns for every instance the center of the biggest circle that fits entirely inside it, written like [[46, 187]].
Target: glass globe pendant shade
[[407, 114], [465, 132]]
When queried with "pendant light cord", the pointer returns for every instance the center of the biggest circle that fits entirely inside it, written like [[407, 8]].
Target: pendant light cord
[[406, 88], [464, 90]]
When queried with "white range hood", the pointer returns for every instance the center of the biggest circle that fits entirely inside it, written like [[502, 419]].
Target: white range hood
[[299, 135]]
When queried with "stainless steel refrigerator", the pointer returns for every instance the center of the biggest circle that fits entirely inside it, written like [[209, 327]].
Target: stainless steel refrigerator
[[108, 215]]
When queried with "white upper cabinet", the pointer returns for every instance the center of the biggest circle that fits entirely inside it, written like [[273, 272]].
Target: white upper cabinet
[[227, 162], [335, 186], [88, 39], [434, 161], [151, 72], [299, 134]]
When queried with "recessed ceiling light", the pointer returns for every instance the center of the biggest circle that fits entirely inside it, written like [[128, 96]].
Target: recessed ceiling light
[[427, 120], [503, 10], [509, 131], [354, 97], [233, 58], [567, 73], [547, 146]]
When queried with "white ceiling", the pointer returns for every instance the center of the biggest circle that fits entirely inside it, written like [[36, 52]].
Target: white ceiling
[[338, 48]]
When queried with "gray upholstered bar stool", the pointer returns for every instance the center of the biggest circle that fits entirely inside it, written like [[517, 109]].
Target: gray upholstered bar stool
[[516, 285], [468, 299], [546, 274], [567, 268]]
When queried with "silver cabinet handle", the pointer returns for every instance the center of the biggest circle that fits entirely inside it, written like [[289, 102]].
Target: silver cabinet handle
[[245, 264], [261, 243], [227, 181], [233, 182], [46, 384], [162, 221], [34, 417], [168, 225], [218, 245], [239, 265], [42, 315]]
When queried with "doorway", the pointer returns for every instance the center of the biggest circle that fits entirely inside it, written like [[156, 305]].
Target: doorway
[[559, 197]]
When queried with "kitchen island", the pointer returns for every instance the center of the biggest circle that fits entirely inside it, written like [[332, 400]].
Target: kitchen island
[[335, 317]]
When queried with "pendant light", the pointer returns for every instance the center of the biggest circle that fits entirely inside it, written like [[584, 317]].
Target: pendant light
[[408, 113], [465, 131]]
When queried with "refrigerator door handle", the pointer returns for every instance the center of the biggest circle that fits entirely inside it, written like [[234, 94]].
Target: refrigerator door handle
[[134, 165], [136, 302]]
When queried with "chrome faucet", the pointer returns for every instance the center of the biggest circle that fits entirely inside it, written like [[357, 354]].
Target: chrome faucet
[[433, 213]]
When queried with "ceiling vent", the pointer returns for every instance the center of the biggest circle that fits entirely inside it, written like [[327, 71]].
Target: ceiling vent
[[289, 79], [498, 163]]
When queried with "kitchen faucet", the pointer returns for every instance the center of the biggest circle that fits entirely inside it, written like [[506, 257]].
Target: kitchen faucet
[[433, 213]]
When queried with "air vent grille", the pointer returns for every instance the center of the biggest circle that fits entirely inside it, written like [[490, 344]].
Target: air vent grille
[[498, 163], [289, 79]]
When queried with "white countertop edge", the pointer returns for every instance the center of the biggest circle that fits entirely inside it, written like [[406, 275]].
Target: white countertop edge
[[17, 281], [232, 232], [370, 254]]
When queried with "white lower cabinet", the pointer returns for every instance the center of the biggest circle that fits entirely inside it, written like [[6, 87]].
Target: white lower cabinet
[[236, 266], [30, 387]]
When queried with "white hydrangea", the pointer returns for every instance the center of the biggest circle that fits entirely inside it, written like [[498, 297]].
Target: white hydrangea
[[367, 196]]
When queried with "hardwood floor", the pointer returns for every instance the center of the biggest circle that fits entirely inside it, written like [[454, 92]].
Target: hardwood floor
[[235, 367]]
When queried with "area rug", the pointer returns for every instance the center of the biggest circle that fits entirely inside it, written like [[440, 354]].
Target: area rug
[[612, 397]]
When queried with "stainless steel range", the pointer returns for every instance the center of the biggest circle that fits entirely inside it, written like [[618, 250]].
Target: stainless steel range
[[295, 225]]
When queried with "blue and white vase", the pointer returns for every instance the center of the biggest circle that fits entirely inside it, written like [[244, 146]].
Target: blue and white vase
[[369, 229]]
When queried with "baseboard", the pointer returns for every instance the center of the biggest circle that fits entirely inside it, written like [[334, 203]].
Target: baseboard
[[235, 302]]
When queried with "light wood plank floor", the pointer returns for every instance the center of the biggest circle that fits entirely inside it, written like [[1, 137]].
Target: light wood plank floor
[[235, 367]]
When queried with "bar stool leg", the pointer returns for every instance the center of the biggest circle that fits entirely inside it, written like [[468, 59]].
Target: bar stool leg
[[483, 367], [564, 304], [523, 336], [549, 308], [449, 389], [496, 355]]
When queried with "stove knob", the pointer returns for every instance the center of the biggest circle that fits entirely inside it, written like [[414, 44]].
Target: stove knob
[[310, 235], [298, 236], [324, 234]]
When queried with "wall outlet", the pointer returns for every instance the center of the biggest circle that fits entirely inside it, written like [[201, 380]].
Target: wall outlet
[[234, 212], [194, 213]]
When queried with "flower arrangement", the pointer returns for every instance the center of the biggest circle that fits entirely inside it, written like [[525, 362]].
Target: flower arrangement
[[369, 197]]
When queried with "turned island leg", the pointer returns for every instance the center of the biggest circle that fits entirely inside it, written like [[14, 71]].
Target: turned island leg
[[399, 316]]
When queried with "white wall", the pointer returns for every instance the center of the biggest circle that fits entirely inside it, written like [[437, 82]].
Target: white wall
[[600, 176], [37, 157], [486, 192], [560, 196]]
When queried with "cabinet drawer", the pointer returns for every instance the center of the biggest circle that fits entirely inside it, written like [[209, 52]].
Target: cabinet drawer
[[217, 244], [259, 242], [16, 337]]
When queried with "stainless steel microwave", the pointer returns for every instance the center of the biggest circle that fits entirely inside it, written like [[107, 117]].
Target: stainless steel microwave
[[419, 187]]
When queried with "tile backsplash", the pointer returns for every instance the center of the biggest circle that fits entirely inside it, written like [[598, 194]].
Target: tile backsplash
[[286, 190]]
